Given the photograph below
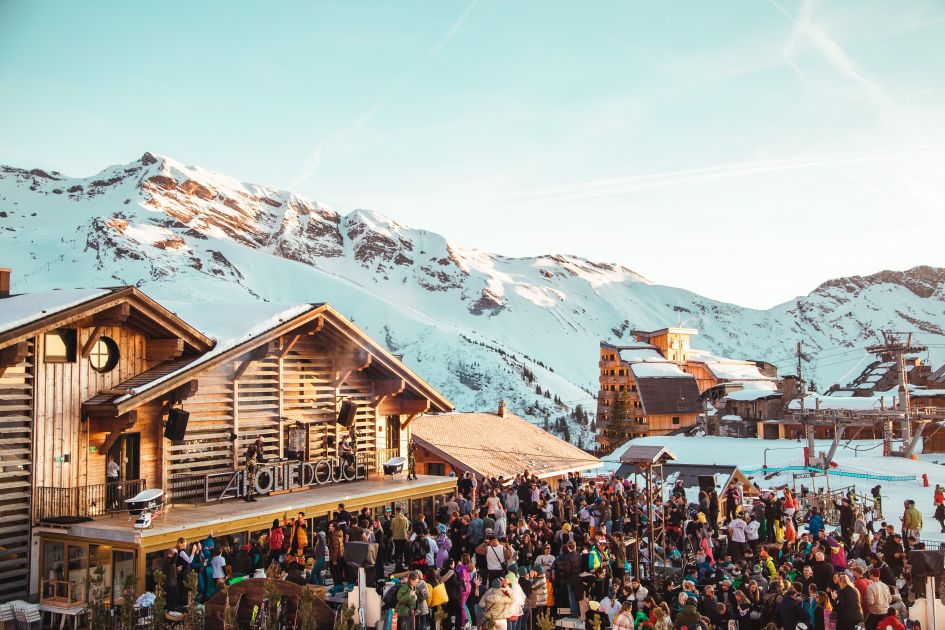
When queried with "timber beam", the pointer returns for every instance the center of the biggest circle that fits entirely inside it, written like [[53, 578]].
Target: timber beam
[[113, 316], [164, 349], [386, 388], [287, 348], [261, 352], [345, 365], [90, 343], [185, 391], [409, 408], [112, 437], [13, 355]]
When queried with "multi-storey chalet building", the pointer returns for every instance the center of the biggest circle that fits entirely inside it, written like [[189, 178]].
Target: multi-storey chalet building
[[655, 386], [90, 376]]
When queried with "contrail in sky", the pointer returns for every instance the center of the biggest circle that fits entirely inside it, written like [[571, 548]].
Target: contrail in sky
[[632, 183], [313, 160]]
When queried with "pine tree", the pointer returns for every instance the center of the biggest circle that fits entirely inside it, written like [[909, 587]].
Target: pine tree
[[306, 613], [616, 431]]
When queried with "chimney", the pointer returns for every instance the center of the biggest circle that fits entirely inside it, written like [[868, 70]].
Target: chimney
[[5, 282], [502, 412]]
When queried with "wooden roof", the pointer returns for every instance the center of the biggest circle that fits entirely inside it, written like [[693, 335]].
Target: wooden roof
[[145, 315], [490, 445], [669, 395], [161, 382], [643, 455]]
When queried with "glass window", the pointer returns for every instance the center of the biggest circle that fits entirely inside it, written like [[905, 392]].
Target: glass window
[[59, 346], [77, 572], [104, 355], [675, 419], [123, 568], [53, 568], [153, 562], [101, 556]]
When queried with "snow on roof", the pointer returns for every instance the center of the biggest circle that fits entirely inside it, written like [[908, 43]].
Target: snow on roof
[[926, 393], [731, 418], [645, 352], [17, 310], [752, 394], [728, 370], [656, 369], [227, 324]]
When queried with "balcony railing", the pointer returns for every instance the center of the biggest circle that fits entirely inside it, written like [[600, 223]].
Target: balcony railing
[[55, 504]]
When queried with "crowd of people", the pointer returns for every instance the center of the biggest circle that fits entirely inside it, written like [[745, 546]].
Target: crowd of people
[[500, 552]]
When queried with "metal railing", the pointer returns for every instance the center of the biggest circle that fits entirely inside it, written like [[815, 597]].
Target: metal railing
[[826, 504], [55, 503]]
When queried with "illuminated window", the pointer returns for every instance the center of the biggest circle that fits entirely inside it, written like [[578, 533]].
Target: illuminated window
[[104, 355], [59, 346]]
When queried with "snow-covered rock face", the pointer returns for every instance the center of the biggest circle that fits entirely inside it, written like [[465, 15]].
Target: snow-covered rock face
[[478, 326]]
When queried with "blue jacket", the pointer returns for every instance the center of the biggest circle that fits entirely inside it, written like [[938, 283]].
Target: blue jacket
[[815, 525]]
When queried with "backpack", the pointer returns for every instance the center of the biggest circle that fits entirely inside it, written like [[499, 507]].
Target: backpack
[[419, 549], [276, 538], [390, 596]]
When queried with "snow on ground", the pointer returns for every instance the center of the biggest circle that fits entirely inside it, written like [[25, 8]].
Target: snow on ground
[[854, 456]]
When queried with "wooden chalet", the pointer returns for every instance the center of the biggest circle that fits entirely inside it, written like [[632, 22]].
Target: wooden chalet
[[91, 375], [642, 394], [629, 406]]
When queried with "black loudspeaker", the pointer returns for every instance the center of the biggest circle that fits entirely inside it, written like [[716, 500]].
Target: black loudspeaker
[[361, 554], [347, 413], [176, 425]]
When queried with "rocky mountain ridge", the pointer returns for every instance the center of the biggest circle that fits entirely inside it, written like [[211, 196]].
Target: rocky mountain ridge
[[479, 326]]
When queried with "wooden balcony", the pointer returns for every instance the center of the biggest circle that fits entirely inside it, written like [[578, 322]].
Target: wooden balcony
[[57, 505]]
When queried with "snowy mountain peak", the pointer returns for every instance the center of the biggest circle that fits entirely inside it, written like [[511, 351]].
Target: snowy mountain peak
[[479, 325], [923, 281]]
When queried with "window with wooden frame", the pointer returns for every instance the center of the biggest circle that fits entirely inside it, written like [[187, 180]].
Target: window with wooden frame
[[59, 346], [104, 355]]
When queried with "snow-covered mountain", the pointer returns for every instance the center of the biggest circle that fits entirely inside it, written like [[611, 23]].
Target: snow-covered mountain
[[479, 326]]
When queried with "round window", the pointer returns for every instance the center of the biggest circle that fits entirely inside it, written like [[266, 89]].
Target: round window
[[104, 355]]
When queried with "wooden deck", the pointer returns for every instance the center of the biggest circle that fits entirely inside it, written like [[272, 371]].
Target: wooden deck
[[236, 515]]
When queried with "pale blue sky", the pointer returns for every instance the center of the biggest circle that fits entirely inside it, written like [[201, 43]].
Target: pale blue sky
[[746, 149]]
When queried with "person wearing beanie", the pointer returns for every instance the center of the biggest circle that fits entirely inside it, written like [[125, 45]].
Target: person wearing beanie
[[688, 616], [516, 613], [443, 545]]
